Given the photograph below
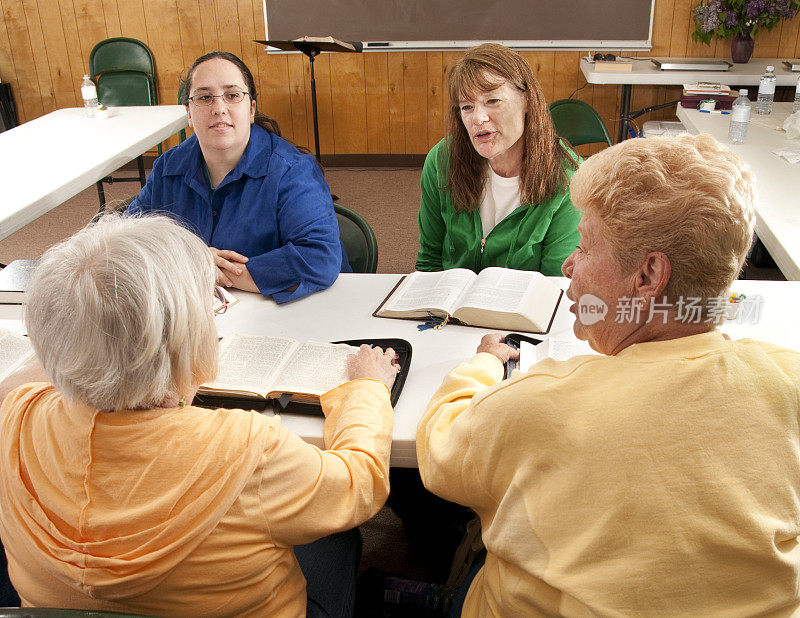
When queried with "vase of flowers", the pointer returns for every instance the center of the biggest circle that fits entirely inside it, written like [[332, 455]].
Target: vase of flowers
[[739, 20]]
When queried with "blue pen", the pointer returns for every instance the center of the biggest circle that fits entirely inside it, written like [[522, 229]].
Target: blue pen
[[714, 111]]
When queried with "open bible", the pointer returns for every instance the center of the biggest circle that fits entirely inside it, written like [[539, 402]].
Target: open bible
[[500, 298], [15, 351], [271, 367]]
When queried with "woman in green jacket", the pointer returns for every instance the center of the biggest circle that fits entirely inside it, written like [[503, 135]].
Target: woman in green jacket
[[495, 190]]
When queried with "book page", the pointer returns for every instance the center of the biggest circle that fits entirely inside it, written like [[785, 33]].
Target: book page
[[249, 363], [314, 368], [499, 289], [15, 350], [430, 290], [558, 349]]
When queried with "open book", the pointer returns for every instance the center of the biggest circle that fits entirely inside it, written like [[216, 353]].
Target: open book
[[500, 298], [558, 349], [15, 279], [269, 367], [15, 351]]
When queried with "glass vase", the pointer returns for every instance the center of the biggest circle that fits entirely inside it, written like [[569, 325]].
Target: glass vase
[[742, 47]]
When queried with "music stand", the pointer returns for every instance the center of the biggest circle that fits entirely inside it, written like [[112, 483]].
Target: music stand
[[312, 48]]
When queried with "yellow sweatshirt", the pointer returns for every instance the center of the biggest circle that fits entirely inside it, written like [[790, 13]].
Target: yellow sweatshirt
[[663, 481], [180, 512]]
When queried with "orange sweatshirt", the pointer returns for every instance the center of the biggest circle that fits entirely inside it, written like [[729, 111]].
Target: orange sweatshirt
[[180, 512]]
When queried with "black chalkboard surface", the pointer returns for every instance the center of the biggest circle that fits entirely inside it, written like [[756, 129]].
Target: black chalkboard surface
[[437, 24]]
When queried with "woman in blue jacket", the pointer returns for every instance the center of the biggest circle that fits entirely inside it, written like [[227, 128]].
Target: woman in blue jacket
[[263, 208]]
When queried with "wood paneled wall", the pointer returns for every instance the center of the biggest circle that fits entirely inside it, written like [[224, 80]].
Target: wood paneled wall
[[381, 103]]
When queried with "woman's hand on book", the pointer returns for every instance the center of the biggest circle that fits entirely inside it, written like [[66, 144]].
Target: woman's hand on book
[[493, 344], [373, 363]]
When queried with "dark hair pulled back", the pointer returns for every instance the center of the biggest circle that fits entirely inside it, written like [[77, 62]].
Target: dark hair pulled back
[[265, 122]]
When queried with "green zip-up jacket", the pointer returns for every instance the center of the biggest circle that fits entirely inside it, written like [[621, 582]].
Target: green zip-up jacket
[[533, 237]]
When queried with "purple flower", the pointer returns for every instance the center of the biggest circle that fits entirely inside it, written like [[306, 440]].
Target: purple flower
[[730, 19], [706, 16]]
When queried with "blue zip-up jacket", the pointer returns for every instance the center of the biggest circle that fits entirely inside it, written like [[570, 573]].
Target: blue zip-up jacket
[[274, 207]]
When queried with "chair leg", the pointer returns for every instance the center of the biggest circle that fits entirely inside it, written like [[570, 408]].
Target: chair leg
[[102, 195], [140, 163]]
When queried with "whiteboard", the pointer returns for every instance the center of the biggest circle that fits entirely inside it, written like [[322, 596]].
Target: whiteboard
[[385, 25]]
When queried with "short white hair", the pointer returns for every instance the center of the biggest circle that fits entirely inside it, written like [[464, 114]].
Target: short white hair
[[120, 315]]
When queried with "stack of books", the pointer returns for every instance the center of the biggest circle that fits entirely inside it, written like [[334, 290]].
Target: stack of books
[[706, 88], [693, 94]]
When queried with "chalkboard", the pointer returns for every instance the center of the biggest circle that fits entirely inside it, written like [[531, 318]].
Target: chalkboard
[[443, 24]]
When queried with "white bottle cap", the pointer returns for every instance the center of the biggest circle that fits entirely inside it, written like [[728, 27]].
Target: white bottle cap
[[770, 68], [743, 92], [85, 76]]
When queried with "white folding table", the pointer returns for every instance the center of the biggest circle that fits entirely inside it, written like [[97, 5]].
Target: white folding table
[[644, 72], [46, 161], [778, 181]]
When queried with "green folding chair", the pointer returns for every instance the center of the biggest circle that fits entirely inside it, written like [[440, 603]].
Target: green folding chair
[[358, 239], [124, 71], [578, 122]]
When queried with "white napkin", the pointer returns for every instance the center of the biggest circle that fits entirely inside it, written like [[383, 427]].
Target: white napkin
[[792, 155], [792, 126]]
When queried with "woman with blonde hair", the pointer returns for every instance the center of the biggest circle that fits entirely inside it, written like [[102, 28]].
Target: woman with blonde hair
[[495, 190]]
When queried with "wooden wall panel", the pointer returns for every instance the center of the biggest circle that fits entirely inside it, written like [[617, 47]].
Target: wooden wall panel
[[27, 95], [61, 72], [349, 105], [437, 91], [378, 103], [397, 134], [44, 80], [7, 71], [415, 96], [376, 84]]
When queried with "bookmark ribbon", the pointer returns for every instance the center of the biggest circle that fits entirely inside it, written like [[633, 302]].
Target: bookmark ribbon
[[433, 321]]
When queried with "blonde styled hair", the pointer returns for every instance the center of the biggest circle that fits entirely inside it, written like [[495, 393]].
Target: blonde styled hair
[[120, 315], [544, 158], [689, 197]]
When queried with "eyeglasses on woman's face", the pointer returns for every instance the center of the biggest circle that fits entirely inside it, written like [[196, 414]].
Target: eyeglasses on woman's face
[[231, 97]]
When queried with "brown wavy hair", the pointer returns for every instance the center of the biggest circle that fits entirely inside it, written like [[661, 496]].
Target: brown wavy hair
[[545, 160]]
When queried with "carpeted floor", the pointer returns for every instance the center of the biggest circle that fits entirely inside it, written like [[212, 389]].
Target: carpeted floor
[[387, 198]]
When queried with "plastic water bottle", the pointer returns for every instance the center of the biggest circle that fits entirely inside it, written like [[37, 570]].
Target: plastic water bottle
[[740, 118], [766, 92], [89, 94], [796, 106]]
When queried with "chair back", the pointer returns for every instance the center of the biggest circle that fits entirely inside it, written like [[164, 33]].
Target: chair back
[[126, 88], [578, 122], [358, 239], [124, 71]]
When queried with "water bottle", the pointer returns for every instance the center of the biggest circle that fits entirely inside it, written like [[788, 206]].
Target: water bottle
[[766, 92], [796, 106], [89, 94], [740, 118]]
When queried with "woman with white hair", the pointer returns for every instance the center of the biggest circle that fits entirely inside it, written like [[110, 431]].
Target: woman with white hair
[[117, 494]]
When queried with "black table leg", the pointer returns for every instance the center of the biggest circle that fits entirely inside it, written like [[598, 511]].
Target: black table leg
[[624, 112]]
